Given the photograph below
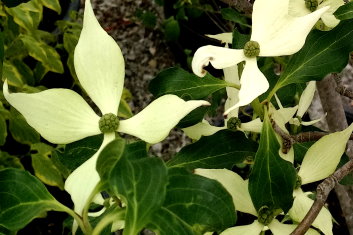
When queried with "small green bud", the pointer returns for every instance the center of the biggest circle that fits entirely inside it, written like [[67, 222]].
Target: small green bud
[[233, 123], [265, 215], [311, 4], [298, 182], [251, 49], [108, 123]]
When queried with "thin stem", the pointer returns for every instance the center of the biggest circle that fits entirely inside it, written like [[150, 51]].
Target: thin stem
[[77, 218], [236, 86], [108, 219], [87, 205], [258, 107]]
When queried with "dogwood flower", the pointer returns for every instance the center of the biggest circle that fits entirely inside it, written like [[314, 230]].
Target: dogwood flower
[[274, 33], [231, 76], [62, 116], [238, 189], [231, 121], [319, 162], [304, 7]]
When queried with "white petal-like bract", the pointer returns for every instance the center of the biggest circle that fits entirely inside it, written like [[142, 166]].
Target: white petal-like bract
[[99, 64], [61, 116], [219, 57], [155, 121]]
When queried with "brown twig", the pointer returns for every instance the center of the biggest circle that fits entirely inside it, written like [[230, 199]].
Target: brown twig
[[289, 140], [323, 190], [342, 90]]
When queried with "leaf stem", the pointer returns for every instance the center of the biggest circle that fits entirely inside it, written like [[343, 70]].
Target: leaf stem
[[108, 219], [86, 208], [78, 219], [258, 107], [236, 86]]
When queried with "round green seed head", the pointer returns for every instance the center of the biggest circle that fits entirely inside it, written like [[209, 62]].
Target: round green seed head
[[311, 4], [233, 123], [108, 123], [265, 215], [251, 49]]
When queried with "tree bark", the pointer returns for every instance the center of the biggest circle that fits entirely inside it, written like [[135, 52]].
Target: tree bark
[[336, 120]]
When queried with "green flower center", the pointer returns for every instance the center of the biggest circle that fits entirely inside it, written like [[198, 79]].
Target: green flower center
[[311, 4], [108, 123], [251, 49], [233, 123], [265, 215]]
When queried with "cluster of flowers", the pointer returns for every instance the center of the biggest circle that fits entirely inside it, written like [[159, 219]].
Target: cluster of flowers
[[61, 116]]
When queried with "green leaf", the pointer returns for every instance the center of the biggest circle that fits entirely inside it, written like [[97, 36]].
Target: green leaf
[[234, 16], [194, 117], [13, 76], [23, 198], [3, 130], [300, 150], [43, 53], [21, 131], [344, 12], [109, 156], [184, 84], [7, 161], [224, 149], [141, 182], [27, 15], [76, 153], [2, 50], [272, 179], [52, 4], [166, 222], [195, 202], [323, 53], [124, 109], [44, 167], [171, 29]]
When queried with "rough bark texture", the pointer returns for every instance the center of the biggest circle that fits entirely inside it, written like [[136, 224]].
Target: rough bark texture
[[336, 120]]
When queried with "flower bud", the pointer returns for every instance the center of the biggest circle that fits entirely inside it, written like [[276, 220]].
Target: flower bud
[[251, 49], [108, 123]]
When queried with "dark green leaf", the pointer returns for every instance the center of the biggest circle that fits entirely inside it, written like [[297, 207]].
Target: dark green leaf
[[171, 29], [193, 117], [44, 167], [184, 84], [345, 12], [199, 202], [23, 198], [21, 131], [166, 222], [149, 19], [141, 182], [109, 156], [300, 150], [1, 50], [3, 130], [323, 53], [239, 39], [233, 15], [7, 161], [221, 150], [75, 154], [272, 179]]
